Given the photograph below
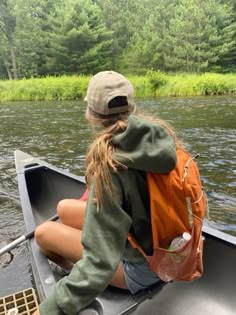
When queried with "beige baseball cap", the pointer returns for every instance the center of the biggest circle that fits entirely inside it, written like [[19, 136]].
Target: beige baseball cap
[[109, 93]]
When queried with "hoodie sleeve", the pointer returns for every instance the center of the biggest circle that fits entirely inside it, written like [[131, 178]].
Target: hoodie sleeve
[[146, 146], [103, 238]]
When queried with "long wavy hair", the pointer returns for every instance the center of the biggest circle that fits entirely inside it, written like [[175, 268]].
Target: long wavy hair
[[100, 158]]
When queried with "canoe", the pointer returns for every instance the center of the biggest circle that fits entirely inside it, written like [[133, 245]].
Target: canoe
[[42, 185]]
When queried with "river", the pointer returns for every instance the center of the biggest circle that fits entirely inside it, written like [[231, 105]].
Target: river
[[58, 133]]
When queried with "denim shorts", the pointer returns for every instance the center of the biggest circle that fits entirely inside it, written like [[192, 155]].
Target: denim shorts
[[138, 276]]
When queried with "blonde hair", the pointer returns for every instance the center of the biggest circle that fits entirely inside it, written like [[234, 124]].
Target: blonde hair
[[100, 159]]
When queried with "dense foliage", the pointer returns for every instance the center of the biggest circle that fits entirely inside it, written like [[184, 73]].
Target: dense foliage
[[55, 37]]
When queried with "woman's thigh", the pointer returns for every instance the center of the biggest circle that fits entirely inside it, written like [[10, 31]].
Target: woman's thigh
[[71, 212], [65, 241]]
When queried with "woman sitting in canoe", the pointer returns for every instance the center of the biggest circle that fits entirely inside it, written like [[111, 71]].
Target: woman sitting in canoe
[[92, 241]]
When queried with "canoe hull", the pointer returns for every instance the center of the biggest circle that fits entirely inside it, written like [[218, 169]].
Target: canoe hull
[[41, 186]]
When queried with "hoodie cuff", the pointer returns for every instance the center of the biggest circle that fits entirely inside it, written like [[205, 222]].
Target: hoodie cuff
[[49, 306]]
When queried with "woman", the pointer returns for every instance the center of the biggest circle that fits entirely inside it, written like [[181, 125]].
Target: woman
[[118, 203]]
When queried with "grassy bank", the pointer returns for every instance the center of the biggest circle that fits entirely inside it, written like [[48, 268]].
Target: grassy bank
[[154, 84], [195, 84], [49, 88]]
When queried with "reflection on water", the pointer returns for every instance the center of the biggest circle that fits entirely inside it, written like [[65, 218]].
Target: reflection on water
[[58, 133]]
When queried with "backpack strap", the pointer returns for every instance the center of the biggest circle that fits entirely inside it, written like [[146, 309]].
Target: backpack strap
[[187, 166]]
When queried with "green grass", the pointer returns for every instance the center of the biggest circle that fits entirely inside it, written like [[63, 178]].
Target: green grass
[[154, 84], [197, 85], [49, 88]]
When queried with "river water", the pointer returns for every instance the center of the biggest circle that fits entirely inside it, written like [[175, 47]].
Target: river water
[[58, 133]]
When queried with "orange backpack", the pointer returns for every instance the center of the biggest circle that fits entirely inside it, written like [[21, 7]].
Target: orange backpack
[[178, 204]]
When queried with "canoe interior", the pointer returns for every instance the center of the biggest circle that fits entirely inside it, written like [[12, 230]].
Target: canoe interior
[[46, 188], [42, 186]]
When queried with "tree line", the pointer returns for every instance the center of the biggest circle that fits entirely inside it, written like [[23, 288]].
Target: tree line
[[55, 37]]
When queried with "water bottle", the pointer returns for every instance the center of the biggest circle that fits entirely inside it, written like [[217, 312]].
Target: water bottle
[[179, 241]]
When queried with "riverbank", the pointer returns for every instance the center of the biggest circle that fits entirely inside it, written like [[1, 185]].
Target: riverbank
[[154, 84]]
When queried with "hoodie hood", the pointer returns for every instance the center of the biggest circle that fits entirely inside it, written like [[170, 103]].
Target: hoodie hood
[[145, 146]]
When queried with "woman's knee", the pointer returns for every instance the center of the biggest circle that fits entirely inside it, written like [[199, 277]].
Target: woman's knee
[[71, 212], [42, 231], [62, 207]]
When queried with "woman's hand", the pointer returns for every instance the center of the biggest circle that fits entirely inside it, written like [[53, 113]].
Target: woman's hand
[[36, 313]]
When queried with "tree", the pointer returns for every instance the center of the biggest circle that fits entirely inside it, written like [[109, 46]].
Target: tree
[[29, 37], [227, 29], [115, 14], [182, 35], [191, 37], [146, 48], [40, 37], [4, 60], [7, 27], [80, 41]]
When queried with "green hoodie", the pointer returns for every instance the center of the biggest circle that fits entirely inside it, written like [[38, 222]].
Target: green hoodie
[[143, 146]]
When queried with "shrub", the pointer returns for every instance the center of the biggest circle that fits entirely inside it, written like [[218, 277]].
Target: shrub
[[157, 79]]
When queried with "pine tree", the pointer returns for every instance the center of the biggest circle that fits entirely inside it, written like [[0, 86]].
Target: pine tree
[[29, 37], [227, 29], [115, 14], [191, 34], [150, 27], [198, 35], [80, 41], [7, 28]]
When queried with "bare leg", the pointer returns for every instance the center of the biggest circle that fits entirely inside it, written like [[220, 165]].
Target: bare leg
[[118, 279], [54, 237], [71, 212]]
